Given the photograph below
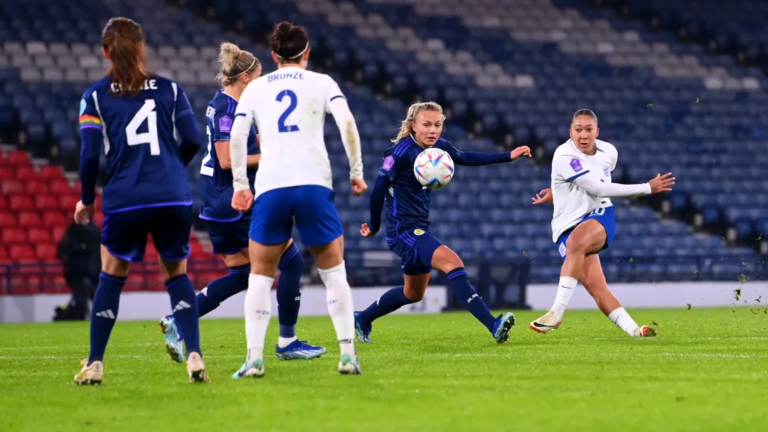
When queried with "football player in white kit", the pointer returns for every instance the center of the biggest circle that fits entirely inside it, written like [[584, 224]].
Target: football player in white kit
[[294, 184], [584, 223]]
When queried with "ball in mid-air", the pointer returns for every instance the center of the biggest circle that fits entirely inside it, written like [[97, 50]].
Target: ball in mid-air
[[433, 168]]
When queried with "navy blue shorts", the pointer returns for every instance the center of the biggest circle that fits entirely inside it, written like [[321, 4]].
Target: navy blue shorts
[[415, 248], [229, 238], [125, 233], [607, 218], [313, 208]]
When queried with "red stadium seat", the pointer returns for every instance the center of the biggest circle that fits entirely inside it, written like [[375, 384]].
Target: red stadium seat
[[21, 202], [78, 187], [135, 282], [21, 252], [7, 219], [46, 252], [68, 202], [29, 219], [39, 235], [3, 202], [26, 172], [12, 186], [20, 286], [6, 173], [46, 202], [98, 203], [18, 157], [59, 186], [56, 219], [151, 254], [4, 258], [14, 236], [58, 233], [37, 186], [55, 285], [50, 172], [196, 249], [98, 219]]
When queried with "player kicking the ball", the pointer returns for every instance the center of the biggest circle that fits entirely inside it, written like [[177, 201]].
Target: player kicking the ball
[[584, 223], [408, 235]]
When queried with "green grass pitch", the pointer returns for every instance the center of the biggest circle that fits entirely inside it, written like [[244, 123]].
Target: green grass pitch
[[707, 370]]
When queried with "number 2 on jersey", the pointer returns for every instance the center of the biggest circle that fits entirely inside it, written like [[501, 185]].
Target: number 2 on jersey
[[147, 112], [281, 126]]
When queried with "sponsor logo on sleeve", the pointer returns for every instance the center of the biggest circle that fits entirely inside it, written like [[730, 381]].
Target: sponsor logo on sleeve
[[576, 165], [389, 162], [225, 124]]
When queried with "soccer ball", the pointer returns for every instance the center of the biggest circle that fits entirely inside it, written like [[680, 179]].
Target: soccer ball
[[433, 168]]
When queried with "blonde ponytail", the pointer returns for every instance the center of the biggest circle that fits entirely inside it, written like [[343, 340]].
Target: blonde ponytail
[[234, 62], [406, 127]]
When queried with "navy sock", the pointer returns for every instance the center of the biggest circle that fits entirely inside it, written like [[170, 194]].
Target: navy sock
[[223, 288], [184, 306], [106, 302], [291, 267], [458, 282], [389, 302]]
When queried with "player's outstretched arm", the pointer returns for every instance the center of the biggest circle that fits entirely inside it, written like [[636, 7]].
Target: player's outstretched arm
[[378, 195], [591, 182], [350, 137], [478, 159]]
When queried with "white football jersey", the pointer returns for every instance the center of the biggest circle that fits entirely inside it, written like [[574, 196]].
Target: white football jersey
[[288, 107], [573, 203]]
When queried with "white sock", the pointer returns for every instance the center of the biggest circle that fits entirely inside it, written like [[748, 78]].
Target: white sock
[[284, 342], [340, 306], [565, 291], [258, 311], [621, 318]]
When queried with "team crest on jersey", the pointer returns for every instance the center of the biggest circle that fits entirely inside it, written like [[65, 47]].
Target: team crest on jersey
[[418, 231], [389, 161], [225, 124], [562, 250], [576, 165]]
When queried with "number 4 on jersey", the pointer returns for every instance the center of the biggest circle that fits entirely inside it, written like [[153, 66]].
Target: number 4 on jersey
[[147, 112]]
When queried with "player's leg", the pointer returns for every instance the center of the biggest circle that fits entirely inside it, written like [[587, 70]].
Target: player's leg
[[321, 231], [106, 303], [589, 237], [170, 229], [447, 261], [411, 292], [269, 234], [594, 282], [289, 347]]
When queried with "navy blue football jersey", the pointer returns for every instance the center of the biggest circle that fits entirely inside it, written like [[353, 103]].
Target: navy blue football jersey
[[144, 161], [216, 183]]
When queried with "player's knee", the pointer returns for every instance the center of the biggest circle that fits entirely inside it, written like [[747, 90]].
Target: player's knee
[[414, 294], [575, 244]]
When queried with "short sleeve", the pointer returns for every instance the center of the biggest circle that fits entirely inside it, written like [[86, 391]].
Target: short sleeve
[[89, 113], [332, 92], [391, 166], [222, 125], [569, 167]]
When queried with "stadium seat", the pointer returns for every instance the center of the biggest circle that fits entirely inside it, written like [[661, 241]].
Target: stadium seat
[[57, 233], [45, 252], [38, 235], [34, 187], [51, 172], [21, 252], [12, 186], [46, 202], [56, 219], [68, 202], [14, 236], [25, 173], [60, 186], [18, 158], [29, 219], [20, 202]]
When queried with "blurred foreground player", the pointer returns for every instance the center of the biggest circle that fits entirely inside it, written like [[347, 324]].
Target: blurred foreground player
[[584, 222], [134, 117], [228, 228], [294, 184], [408, 235]]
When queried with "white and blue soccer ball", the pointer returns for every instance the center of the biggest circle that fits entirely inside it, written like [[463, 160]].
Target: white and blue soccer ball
[[433, 168]]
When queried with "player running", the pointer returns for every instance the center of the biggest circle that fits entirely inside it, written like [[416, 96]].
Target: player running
[[408, 235], [584, 223], [135, 116], [294, 183], [228, 228]]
